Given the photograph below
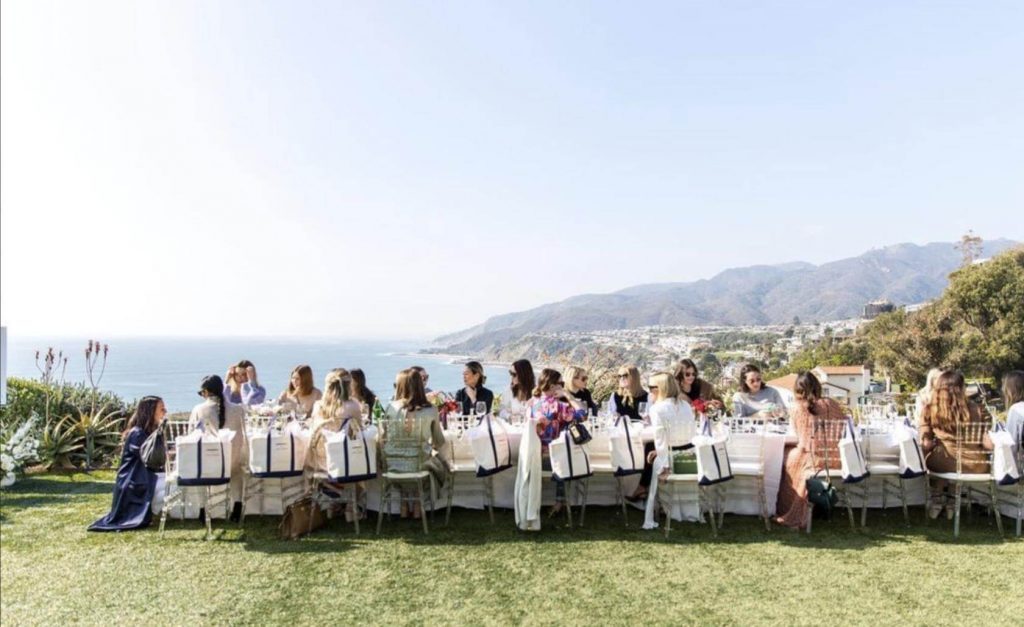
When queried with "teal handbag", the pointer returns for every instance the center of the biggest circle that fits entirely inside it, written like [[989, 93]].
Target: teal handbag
[[821, 494]]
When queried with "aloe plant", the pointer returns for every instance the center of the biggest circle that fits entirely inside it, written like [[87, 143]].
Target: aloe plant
[[100, 432], [59, 443]]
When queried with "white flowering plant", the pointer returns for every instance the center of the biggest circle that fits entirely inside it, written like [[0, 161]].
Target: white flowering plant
[[18, 450]]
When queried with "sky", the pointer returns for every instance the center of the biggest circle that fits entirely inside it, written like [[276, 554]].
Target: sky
[[406, 169]]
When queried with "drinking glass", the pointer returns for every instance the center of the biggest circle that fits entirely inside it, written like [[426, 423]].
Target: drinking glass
[[642, 409], [481, 408]]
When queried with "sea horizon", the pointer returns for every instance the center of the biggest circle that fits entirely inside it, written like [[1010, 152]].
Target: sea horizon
[[171, 366]]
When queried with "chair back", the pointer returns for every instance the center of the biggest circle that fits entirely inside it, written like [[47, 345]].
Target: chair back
[[747, 440], [970, 447], [825, 444], [175, 428], [877, 441], [402, 447]]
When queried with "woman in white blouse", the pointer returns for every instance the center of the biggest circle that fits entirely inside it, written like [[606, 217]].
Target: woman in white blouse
[[1013, 399], [674, 427], [215, 413]]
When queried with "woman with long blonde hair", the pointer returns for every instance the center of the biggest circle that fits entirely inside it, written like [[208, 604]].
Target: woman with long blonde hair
[[332, 413], [924, 395], [576, 379], [670, 410], [944, 421]]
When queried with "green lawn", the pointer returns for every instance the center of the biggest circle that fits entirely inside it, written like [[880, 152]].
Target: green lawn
[[54, 572]]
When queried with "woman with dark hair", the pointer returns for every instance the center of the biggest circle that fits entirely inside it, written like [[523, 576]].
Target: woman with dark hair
[[553, 410], [241, 384], [134, 484], [811, 408], [516, 399], [215, 413], [474, 392], [693, 387], [360, 393], [941, 423], [301, 391], [754, 398], [425, 376]]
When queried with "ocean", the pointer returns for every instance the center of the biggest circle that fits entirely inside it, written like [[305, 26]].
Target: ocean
[[173, 367]]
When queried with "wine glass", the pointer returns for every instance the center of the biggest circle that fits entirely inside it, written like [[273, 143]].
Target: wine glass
[[481, 408], [642, 409]]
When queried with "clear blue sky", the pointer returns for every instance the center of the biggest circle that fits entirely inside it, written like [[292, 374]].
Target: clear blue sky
[[405, 169]]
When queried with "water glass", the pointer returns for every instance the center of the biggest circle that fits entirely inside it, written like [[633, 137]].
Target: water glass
[[481, 408]]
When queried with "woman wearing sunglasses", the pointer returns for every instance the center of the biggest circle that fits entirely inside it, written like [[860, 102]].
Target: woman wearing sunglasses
[[576, 379], [516, 399], [693, 387], [669, 410]]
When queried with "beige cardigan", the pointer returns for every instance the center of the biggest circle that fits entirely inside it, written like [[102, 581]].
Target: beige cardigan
[[234, 419]]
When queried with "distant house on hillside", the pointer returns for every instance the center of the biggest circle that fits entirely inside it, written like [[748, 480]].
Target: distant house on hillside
[[856, 379], [786, 384], [876, 308]]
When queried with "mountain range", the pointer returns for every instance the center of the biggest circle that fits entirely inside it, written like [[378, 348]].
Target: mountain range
[[754, 295]]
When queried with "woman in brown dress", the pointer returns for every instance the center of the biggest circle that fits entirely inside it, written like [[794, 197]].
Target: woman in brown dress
[[811, 408], [948, 414]]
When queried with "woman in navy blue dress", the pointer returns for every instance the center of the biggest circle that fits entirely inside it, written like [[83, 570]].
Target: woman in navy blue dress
[[135, 484]]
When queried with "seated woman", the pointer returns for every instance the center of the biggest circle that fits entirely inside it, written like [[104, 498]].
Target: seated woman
[[626, 403], [241, 384], [948, 414], [576, 383], [301, 392], [360, 393], [474, 392], [1013, 400], [755, 399], [329, 414], [416, 419], [216, 413], [516, 399], [550, 411], [792, 504], [693, 387], [668, 411], [134, 484], [630, 394]]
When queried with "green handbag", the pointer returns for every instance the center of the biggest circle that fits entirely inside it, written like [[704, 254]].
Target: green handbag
[[821, 494], [684, 463]]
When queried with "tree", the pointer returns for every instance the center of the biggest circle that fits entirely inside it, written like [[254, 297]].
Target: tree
[[987, 302], [970, 247], [906, 345]]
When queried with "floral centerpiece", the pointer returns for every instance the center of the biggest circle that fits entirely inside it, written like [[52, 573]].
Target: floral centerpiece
[[271, 410], [445, 404], [15, 452]]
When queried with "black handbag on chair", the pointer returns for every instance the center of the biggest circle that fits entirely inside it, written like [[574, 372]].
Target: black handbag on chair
[[153, 451]]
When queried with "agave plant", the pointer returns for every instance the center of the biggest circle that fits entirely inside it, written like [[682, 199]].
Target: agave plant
[[59, 442], [100, 433]]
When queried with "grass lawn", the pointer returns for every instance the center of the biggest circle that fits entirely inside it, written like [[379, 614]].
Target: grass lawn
[[53, 572]]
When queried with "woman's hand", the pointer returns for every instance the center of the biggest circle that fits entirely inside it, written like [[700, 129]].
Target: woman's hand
[[652, 456]]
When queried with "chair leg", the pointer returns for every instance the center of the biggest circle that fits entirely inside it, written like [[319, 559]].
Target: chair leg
[[206, 511], [489, 496], [384, 489], [849, 507], [903, 502], [927, 497], [810, 518], [356, 513], [663, 492], [448, 505], [710, 512], [585, 485], [568, 502], [994, 493], [956, 513], [620, 498], [764, 502], [720, 503], [423, 507], [864, 504]]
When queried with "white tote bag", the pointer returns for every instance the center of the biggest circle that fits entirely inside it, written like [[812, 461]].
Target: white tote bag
[[204, 458], [712, 457], [627, 447], [492, 450], [1004, 464], [274, 453], [351, 459], [851, 455], [911, 458], [568, 459]]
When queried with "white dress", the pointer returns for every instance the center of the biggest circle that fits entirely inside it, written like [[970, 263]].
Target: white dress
[[667, 416], [1015, 422]]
